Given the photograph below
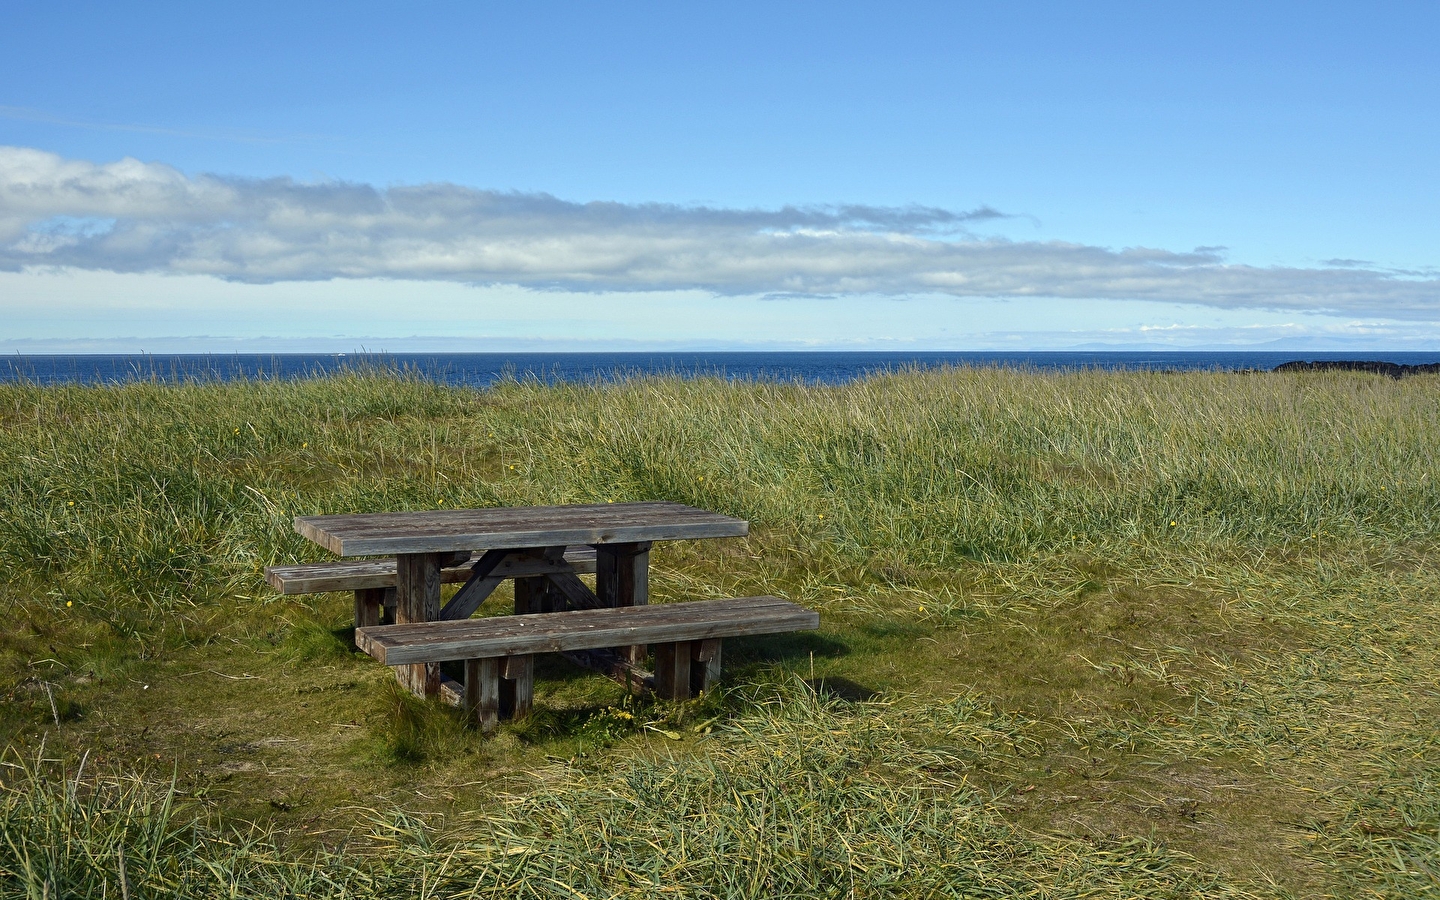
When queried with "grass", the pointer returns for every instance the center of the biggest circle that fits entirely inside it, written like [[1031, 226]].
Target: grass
[[1083, 634], [813, 795]]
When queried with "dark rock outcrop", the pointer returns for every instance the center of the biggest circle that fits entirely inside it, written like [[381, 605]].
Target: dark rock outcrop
[[1374, 367]]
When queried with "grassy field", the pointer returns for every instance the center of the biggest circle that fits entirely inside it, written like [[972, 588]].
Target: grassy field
[[1083, 635]]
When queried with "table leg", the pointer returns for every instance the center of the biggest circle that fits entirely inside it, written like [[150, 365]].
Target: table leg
[[533, 593], [417, 599], [528, 595], [622, 578]]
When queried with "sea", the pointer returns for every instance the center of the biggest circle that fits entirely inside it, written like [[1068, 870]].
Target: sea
[[483, 369]]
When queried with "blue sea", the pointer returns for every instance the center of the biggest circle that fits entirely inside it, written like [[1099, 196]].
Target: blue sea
[[481, 369]]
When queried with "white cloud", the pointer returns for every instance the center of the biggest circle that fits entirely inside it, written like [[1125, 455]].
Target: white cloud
[[73, 311], [130, 216]]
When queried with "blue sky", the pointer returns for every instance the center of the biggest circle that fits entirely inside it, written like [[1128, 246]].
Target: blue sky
[[937, 176]]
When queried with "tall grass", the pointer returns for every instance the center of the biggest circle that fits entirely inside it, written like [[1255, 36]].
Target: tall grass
[[799, 796], [97, 835], [163, 488], [1150, 575]]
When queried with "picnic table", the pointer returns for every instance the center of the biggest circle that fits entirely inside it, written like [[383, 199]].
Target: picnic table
[[527, 544]]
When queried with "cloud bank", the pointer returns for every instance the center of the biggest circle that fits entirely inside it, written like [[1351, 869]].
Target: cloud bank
[[130, 216]]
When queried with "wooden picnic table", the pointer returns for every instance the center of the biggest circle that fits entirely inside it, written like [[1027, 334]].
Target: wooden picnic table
[[524, 543]]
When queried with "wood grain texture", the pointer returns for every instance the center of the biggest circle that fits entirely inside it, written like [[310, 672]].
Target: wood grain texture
[[517, 691], [368, 604], [417, 600], [435, 531], [482, 692], [584, 629], [572, 591], [622, 574], [672, 670], [362, 574], [481, 584], [452, 692], [527, 595], [705, 666], [622, 578]]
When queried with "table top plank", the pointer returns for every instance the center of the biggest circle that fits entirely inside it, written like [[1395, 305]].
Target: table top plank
[[583, 629], [440, 531]]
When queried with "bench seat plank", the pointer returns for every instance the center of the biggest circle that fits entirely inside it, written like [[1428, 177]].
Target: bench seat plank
[[583, 629], [363, 574]]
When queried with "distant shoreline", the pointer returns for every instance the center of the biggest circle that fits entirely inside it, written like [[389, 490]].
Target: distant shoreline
[[1374, 367], [816, 367]]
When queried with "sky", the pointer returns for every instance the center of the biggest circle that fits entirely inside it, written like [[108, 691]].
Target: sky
[[948, 176]]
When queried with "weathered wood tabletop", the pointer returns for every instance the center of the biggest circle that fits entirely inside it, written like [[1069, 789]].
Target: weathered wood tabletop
[[531, 540], [449, 530]]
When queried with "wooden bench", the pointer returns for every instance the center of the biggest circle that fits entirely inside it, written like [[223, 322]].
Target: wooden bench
[[373, 580], [499, 651]]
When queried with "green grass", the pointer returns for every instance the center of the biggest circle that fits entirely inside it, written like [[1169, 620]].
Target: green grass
[[1083, 634]]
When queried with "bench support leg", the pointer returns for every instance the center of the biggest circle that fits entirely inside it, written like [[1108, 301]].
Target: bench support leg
[[417, 599], [368, 603], [482, 692], [672, 670], [499, 688], [704, 665], [517, 689], [387, 616]]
